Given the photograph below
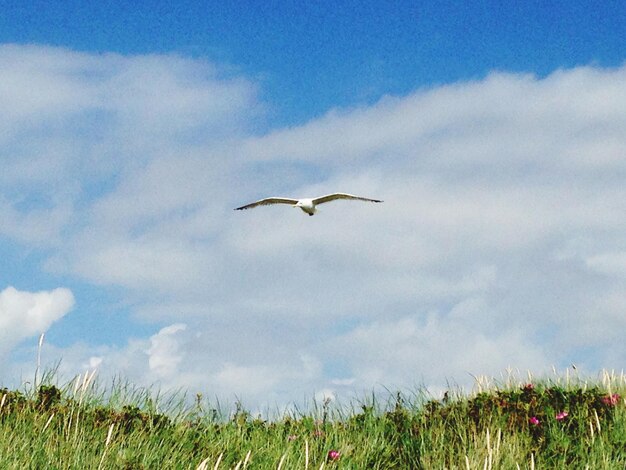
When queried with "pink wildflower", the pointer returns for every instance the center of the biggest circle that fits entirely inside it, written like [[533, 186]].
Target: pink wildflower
[[528, 387], [562, 415], [292, 437], [534, 421], [333, 455], [611, 400]]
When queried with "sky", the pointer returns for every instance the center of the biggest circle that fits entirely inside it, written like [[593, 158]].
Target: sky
[[494, 132]]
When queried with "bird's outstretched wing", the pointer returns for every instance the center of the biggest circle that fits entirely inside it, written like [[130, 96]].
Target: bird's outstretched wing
[[267, 201], [332, 197]]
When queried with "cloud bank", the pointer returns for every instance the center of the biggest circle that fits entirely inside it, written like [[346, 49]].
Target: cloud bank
[[500, 242]]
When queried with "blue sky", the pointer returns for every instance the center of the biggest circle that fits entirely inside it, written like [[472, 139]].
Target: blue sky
[[310, 57], [493, 131]]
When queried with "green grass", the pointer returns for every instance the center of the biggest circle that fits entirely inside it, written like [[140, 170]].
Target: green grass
[[504, 427]]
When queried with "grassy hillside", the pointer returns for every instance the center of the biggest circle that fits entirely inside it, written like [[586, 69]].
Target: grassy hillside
[[548, 424]]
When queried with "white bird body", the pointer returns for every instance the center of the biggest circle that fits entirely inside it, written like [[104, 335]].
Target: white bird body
[[308, 205]]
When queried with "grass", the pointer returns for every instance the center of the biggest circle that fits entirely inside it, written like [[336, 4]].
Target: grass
[[545, 424]]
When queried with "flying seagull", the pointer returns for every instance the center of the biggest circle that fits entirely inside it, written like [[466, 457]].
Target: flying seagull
[[308, 205]]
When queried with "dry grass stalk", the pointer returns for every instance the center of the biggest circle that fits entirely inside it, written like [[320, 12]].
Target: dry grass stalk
[[282, 461], [247, 459], [607, 379], [76, 384], [593, 437], [203, 465], [82, 388], [219, 460], [489, 458], [109, 435], [48, 422], [38, 368], [85, 385], [106, 445]]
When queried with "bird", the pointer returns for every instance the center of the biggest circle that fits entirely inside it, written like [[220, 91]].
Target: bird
[[308, 205]]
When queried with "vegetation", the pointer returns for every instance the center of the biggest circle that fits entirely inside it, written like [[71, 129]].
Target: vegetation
[[544, 424]]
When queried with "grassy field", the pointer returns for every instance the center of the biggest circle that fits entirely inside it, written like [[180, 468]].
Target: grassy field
[[558, 423]]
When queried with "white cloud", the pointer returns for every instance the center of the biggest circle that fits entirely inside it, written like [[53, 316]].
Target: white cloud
[[26, 314], [77, 126], [37, 226], [436, 348], [608, 263], [499, 242], [249, 379], [164, 355]]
